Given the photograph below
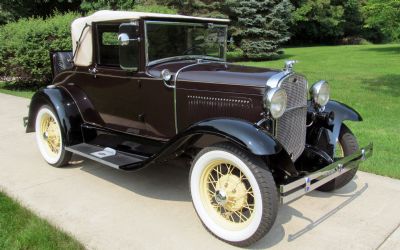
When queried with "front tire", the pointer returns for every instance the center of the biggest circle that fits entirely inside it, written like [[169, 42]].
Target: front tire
[[233, 193], [346, 145], [50, 137]]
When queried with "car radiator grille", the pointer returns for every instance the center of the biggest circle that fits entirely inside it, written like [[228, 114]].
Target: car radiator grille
[[291, 127]]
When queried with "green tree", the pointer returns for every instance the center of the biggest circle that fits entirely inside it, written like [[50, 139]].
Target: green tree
[[383, 15], [12, 10], [89, 6], [353, 18], [317, 21], [208, 8], [260, 27], [93, 5]]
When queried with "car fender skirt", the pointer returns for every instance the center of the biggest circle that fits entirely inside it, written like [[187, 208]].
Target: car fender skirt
[[66, 109]]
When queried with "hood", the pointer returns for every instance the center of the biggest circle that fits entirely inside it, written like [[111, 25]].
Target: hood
[[216, 72]]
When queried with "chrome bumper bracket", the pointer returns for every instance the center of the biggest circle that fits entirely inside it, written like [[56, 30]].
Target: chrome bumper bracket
[[302, 186]]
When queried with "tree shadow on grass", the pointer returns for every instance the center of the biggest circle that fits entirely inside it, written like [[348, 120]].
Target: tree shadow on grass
[[395, 49], [388, 84]]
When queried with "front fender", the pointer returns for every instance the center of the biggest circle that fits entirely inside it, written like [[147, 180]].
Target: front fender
[[241, 133], [342, 112], [66, 109]]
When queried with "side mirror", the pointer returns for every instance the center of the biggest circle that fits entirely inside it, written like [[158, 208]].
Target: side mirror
[[124, 39], [129, 39]]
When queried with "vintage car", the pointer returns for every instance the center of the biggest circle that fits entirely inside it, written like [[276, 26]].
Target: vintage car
[[145, 88]]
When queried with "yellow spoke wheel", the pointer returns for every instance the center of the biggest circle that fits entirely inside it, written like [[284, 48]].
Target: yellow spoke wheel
[[233, 193], [49, 137], [228, 192], [50, 134]]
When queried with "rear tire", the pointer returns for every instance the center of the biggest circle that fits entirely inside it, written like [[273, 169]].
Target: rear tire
[[233, 193], [349, 145], [50, 137]]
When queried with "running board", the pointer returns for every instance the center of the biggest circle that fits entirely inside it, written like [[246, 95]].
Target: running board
[[106, 156]]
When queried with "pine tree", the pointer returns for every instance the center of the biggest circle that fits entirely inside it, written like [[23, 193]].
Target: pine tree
[[259, 26]]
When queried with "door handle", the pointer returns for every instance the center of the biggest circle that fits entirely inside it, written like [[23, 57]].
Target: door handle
[[93, 71]]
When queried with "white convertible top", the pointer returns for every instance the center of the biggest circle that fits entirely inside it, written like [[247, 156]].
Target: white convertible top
[[83, 57]]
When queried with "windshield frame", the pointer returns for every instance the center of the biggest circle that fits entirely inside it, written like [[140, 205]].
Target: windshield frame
[[183, 57]]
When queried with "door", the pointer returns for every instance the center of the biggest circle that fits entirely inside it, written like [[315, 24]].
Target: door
[[113, 92], [124, 98]]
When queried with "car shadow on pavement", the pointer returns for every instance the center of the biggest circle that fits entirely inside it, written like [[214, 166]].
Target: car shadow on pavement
[[170, 182], [164, 182], [286, 213]]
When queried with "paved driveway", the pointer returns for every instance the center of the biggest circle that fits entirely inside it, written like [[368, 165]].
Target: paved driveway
[[151, 209]]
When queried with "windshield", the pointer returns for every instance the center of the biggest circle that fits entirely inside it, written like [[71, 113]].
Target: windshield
[[169, 40]]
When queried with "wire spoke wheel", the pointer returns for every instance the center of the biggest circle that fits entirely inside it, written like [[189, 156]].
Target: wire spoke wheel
[[233, 193], [228, 192], [50, 133], [49, 137]]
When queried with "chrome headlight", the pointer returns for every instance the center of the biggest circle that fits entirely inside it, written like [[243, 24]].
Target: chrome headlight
[[275, 100], [320, 93]]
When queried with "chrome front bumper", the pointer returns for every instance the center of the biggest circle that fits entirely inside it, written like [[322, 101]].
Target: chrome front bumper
[[306, 184]]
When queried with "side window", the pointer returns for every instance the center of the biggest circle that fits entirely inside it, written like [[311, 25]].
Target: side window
[[109, 39], [107, 44]]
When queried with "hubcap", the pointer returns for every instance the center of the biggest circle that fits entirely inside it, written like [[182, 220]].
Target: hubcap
[[228, 193]]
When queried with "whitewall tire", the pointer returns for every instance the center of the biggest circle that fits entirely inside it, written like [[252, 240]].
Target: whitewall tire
[[233, 193], [50, 138]]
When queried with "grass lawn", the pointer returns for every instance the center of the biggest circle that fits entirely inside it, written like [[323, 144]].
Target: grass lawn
[[21, 93], [366, 77], [20, 229]]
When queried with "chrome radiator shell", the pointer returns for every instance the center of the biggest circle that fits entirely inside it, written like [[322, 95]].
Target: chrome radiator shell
[[291, 128]]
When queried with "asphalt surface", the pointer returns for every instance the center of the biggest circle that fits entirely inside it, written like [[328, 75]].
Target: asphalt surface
[[151, 209]]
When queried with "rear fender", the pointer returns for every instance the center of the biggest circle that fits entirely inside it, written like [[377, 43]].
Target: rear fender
[[66, 109]]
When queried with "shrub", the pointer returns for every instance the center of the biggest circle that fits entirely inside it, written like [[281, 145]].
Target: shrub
[[354, 40], [25, 46]]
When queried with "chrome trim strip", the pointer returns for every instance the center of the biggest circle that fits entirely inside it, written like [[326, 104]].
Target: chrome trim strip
[[324, 175], [175, 79], [276, 79]]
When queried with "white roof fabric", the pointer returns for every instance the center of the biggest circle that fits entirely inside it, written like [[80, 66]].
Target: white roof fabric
[[84, 54]]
